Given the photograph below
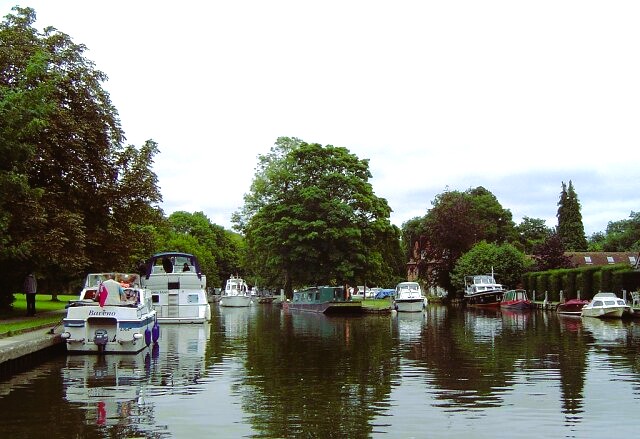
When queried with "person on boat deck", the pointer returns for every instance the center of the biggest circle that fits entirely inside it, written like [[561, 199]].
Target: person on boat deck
[[185, 267], [167, 265], [30, 287], [115, 292]]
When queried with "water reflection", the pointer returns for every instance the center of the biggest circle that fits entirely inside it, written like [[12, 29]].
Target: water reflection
[[119, 391], [265, 372]]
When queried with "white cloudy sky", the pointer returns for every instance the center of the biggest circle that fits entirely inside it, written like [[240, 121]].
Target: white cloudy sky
[[515, 96]]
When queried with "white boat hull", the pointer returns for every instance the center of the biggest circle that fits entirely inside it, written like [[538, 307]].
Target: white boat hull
[[95, 329], [236, 301], [410, 305], [604, 313]]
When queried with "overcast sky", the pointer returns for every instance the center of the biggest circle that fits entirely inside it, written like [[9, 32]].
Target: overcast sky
[[515, 96]]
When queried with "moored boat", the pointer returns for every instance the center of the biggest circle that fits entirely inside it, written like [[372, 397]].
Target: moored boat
[[515, 299], [113, 314], [178, 288], [482, 290], [572, 307], [605, 305], [408, 297], [325, 299], [236, 293]]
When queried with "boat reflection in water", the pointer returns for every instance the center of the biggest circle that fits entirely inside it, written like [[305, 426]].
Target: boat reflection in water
[[409, 325], [110, 388], [119, 390], [607, 331]]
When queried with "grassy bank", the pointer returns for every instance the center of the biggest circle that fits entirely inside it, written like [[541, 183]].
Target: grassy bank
[[15, 320], [377, 303]]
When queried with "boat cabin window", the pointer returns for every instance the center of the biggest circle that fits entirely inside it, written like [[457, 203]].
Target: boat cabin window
[[609, 302], [621, 302], [598, 303]]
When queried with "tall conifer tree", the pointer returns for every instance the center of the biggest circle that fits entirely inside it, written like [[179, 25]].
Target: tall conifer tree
[[570, 227]]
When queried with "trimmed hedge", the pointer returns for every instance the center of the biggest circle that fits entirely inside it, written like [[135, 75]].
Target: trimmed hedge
[[587, 280]]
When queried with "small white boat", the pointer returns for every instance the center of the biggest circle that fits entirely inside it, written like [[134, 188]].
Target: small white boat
[[409, 298], [178, 288], [236, 293], [113, 314], [605, 305]]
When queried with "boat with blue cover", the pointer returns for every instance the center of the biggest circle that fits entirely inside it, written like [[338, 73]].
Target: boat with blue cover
[[177, 287]]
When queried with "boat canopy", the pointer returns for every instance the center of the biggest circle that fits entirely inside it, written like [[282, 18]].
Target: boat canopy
[[172, 262]]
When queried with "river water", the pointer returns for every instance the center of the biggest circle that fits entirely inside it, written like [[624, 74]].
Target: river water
[[264, 372]]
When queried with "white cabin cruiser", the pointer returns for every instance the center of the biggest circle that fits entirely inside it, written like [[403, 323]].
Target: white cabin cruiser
[[409, 298], [236, 293], [605, 305], [177, 287], [113, 314]]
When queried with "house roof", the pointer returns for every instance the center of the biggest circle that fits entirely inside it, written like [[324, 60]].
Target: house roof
[[581, 259]]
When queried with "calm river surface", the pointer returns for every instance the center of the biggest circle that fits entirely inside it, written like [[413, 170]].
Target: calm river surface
[[264, 372]]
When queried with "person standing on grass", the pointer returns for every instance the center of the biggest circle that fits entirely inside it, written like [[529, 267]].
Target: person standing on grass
[[30, 287]]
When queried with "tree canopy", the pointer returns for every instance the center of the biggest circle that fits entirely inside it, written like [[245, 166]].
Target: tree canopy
[[505, 260], [570, 227], [620, 236], [532, 232], [72, 196], [219, 251], [312, 217], [456, 222]]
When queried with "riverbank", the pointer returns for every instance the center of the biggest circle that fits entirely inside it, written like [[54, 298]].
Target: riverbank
[[19, 348]]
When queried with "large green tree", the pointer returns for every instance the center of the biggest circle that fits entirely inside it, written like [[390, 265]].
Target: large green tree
[[504, 260], [224, 249], [456, 222], [312, 217], [532, 232], [623, 235], [570, 227], [73, 197]]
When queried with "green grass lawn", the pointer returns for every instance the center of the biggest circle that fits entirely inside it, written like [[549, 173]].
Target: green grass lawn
[[377, 303], [14, 320]]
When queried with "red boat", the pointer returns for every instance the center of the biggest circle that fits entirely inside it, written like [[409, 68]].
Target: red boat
[[571, 307], [515, 299]]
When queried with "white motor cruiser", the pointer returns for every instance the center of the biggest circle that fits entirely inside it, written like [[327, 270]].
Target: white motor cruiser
[[605, 305], [236, 293], [112, 315], [177, 287], [409, 298]]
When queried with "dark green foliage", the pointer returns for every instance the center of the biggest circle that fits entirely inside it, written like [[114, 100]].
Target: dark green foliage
[[219, 251], [570, 227], [532, 232], [587, 280], [550, 254], [555, 285], [72, 198], [312, 218], [456, 222], [542, 285], [623, 235], [507, 263], [569, 279], [630, 280]]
